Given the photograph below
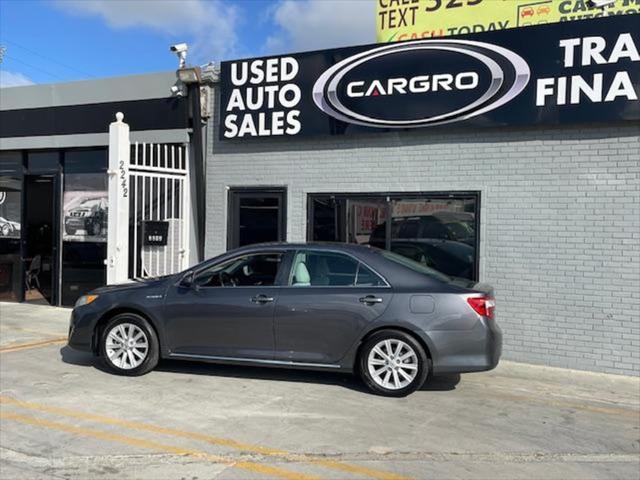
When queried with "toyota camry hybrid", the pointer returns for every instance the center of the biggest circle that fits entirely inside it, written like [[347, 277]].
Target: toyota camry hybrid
[[334, 307]]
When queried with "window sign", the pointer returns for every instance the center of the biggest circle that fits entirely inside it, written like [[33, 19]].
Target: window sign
[[415, 19], [10, 197], [85, 207]]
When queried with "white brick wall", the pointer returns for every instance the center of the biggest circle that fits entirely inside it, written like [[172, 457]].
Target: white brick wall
[[560, 219]]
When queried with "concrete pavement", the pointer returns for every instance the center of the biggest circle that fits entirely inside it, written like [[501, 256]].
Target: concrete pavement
[[64, 417]]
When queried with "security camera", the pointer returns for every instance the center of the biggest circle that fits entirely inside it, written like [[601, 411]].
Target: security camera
[[180, 49], [176, 91]]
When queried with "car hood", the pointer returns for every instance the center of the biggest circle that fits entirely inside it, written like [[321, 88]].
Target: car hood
[[133, 285]]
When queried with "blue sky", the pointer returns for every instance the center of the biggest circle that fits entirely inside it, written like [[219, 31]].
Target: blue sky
[[50, 41]]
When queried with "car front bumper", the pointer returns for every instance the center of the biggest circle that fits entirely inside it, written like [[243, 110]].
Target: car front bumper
[[76, 222], [81, 328]]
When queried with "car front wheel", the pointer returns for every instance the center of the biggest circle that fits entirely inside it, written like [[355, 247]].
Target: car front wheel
[[94, 229], [393, 363], [129, 345]]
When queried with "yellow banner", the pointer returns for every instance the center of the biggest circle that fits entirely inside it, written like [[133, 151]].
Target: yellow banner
[[416, 19]]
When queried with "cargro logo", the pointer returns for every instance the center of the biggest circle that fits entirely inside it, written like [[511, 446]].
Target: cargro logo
[[421, 83]]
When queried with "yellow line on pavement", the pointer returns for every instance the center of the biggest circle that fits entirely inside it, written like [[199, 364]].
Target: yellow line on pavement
[[9, 328], [26, 346], [225, 442], [148, 444]]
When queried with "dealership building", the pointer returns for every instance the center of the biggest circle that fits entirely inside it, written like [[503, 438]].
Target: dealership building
[[510, 158]]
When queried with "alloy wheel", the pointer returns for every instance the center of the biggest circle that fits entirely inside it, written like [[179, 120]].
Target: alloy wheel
[[393, 364], [126, 346]]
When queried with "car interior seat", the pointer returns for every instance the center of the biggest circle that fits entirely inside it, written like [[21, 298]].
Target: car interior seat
[[321, 272], [301, 277]]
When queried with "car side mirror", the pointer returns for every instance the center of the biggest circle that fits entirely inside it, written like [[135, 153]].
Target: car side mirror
[[188, 281]]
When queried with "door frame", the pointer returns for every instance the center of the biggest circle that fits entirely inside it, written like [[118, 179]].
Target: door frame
[[56, 247], [236, 193]]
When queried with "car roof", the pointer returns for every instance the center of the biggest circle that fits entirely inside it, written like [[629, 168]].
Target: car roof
[[347, 247]]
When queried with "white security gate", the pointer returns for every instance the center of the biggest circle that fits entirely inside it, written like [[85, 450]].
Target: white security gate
[[160, 192]]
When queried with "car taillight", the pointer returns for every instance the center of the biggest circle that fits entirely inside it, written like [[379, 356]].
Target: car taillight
[[484, 306]]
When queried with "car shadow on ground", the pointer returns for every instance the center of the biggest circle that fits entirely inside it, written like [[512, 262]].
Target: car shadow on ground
[[352, 382]]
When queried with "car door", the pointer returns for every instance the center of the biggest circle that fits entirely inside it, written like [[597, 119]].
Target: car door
[[325, 304], [225, 309]]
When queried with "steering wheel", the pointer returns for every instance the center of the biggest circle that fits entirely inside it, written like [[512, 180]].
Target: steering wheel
[[227, 280]]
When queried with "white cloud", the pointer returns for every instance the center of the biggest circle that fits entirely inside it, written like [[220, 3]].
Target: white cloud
[[13, 79], [210, 23], [318, 24]]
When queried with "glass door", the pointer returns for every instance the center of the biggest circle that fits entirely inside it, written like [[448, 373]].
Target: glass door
[[256, 216], [40, 239]]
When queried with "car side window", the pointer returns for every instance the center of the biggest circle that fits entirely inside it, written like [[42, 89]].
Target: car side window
[[329, 269], [409, 229], [366, 278], [254, 270]]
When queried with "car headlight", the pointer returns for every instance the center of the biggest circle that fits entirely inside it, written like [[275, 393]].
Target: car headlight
[[85, 300]]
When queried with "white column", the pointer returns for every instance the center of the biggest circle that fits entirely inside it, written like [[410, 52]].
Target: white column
[[118, 222]]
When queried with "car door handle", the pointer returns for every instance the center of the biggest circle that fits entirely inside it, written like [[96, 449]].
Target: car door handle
[[370, 299], [261, 299]]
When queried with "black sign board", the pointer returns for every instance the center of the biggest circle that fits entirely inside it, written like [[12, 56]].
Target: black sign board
[[155, 233], [572, 72]]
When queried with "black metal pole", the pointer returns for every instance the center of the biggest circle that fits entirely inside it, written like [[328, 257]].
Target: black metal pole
[[198, 156]]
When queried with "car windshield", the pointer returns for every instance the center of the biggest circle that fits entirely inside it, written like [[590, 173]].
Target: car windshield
[[415, 266]]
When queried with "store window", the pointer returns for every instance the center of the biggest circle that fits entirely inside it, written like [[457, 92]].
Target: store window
[[436, 230], [85, 214], [10, 225], [256, 216]]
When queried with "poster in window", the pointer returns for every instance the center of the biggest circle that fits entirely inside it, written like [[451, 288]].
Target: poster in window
[[10, 209], [85, 208]]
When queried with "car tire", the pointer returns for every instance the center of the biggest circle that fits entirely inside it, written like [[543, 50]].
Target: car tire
[[96, 228], [398, 374], [129, 345], [70, 231]]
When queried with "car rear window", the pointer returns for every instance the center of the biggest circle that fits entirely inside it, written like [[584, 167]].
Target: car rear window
[[415, 266]]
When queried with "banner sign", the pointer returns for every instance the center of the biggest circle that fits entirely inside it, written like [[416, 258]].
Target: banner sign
[[559, 73], [398, 20]]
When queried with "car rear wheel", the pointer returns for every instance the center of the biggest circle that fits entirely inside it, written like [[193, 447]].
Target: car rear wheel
[[393, 363], [129, 345]]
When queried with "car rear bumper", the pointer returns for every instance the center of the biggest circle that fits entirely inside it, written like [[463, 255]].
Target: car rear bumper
[[475, 350]]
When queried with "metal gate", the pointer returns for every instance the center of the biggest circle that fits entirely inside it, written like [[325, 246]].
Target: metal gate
[[160, 192]]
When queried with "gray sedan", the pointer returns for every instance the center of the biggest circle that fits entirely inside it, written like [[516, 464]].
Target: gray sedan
[[335, 307]]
